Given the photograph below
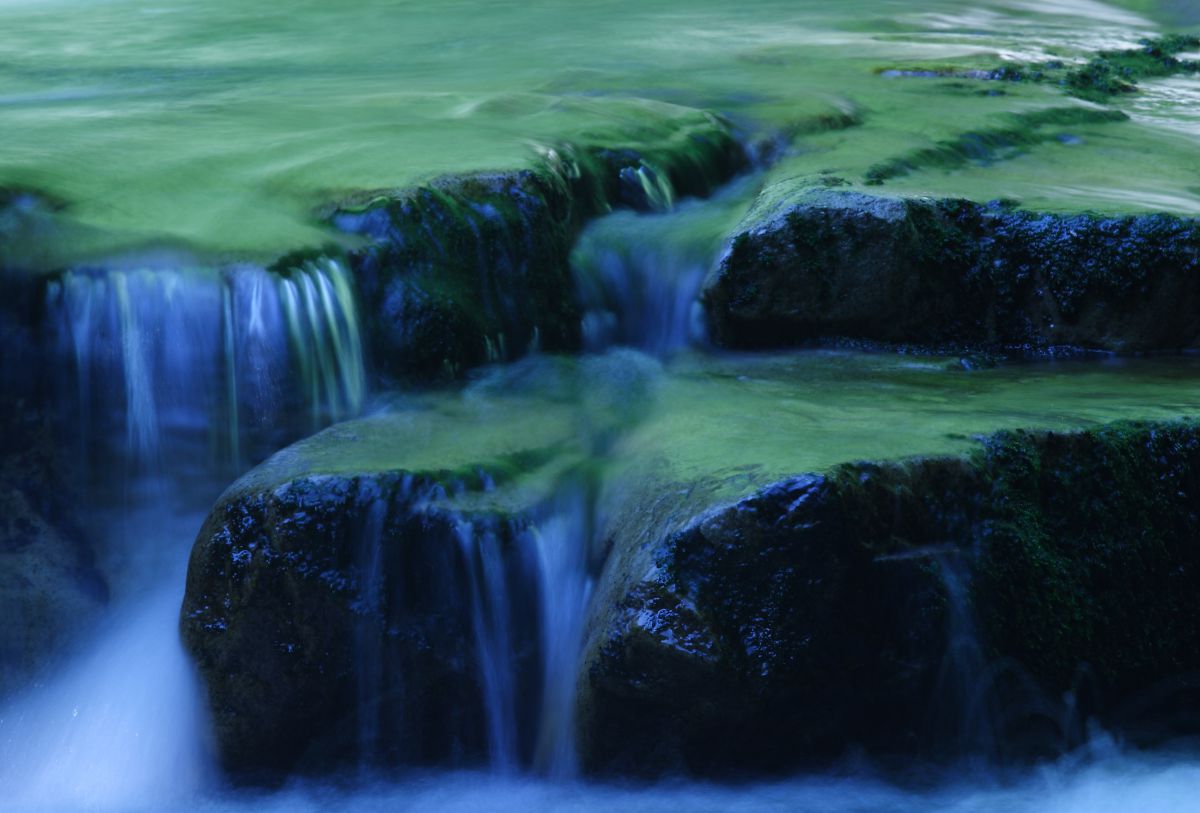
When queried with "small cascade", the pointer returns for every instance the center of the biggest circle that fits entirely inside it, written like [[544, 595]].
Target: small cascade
[[491, 621], [368, 646], [640, 296], [237, 359], [959, 702], [639, 275], [510, 601], [563, 542]]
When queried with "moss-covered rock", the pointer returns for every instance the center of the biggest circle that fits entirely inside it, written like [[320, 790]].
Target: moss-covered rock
[[332, 596], [809, 264], [816, 615], [1099, 77], [331, 620], [473, 268]]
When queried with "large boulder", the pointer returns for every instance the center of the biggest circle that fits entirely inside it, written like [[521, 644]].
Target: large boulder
[[810, 264], [369, 593], [932, 604]]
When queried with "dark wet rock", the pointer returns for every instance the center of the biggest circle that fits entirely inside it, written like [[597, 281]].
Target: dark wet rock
[[813, 264], [474, 268], [463, 270], [331, 606], [815, 616], [49, 586]]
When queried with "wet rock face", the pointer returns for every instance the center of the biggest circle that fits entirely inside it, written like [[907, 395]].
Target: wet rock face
[[476, 268], [815, 615], [770, 632], [49, 586], [840, 264], [330, 621], [466, 268]]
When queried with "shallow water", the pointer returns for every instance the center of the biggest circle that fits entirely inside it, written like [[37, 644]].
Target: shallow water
[[747, 417], [219, 126]]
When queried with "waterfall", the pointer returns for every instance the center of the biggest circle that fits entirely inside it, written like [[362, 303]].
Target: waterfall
[[557, 547], [640, 296], [562, 542], [229, 358], [491, 619], [638, 275], [167, 363]]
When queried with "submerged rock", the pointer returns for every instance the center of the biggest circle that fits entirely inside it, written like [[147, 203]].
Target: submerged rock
[[828, 612], [831, 263]]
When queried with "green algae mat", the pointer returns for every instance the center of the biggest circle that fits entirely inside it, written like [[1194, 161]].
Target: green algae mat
[[736, 422], [220, 127]]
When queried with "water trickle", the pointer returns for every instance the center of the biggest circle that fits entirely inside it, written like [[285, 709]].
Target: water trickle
[[181, 356], [562, 541], [491, 619], [369, 650], [639, 275], [960, 702]]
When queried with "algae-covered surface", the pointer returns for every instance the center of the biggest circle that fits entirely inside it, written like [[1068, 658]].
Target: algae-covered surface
[[736, 422], [220, 125]]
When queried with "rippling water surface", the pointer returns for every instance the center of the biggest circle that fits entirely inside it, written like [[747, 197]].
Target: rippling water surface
[[221, 125]]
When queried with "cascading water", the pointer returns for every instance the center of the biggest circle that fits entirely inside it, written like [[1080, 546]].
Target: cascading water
[[219, 357], [639, 275], [179, 376], [562, 541], [491, 620], [549, 559]]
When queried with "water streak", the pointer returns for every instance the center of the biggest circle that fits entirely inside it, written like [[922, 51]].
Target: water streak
[[562, 542], [491, 619], [175, 356]]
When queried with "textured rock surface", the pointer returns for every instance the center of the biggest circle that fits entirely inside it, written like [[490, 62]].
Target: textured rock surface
[[811, 264], [815, 615], [475, 268], [332, 606]]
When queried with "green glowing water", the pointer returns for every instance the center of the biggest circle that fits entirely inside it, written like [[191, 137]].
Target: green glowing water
[[220, 125], [739, 422]]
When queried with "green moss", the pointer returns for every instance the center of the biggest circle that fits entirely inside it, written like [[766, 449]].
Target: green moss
[[475, 268], [1102, 523], [987, 146], [1114, 72]]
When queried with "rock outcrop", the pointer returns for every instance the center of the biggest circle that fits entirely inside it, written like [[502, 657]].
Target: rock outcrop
[[817, 615], [475, 268], [829, 263]]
